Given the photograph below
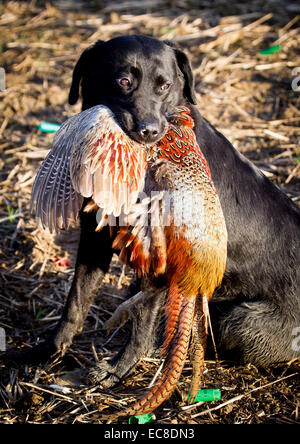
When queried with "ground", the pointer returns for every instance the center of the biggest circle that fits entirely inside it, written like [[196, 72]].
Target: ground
[[249, 96]]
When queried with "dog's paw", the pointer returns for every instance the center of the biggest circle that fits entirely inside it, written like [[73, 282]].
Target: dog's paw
[[104, 374]]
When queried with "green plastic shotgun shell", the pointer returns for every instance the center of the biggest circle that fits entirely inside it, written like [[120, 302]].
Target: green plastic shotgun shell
[[207, 395], [47, 127], [270, 50], [141, 419]]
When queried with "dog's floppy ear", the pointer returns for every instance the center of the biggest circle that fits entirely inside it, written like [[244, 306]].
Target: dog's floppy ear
[[79, 70], [185, 67]]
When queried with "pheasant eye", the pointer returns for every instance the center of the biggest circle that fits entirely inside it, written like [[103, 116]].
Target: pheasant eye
[[124, 82]]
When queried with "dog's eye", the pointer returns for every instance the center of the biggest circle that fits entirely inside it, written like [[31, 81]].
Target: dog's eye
[[124, 82], [165, 86]]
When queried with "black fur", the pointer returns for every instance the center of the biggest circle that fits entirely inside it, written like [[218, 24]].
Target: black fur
[[257, 308]]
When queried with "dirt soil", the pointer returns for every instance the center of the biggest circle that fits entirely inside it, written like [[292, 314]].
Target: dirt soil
[[247, 95]]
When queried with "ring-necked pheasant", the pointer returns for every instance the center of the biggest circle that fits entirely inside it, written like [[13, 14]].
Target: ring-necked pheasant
[[174, 229]]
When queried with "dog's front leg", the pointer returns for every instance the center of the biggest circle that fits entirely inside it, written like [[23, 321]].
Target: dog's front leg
[[93, 260]]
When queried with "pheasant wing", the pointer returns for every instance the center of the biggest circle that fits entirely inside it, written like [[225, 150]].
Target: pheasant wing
[[53, 194], [91, 157]]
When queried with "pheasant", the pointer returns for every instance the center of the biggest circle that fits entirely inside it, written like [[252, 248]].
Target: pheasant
[[168, 215]]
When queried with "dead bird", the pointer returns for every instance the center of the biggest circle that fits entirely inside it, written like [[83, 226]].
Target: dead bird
[[172, 222]]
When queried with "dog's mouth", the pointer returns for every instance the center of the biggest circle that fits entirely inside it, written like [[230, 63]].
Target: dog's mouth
[[146, 135], [147, 131]]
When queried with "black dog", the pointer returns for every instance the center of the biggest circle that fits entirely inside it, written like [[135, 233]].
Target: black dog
[[257, 309]]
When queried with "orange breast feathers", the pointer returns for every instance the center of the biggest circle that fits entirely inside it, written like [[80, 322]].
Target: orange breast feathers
[[142, 242]]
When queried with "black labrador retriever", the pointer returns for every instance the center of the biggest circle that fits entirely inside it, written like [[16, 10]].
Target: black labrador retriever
[[256, 311]]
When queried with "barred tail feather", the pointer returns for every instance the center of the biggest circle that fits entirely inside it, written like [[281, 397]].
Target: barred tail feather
[[198, 345], [172, 311], [174, 364]]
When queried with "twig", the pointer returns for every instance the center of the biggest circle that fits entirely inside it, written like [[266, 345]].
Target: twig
[[126, 6], [294, 173], [156, 375], [120, 281], [4, 125], [95, 352], [276, 135], [10, 218], [59, 395]]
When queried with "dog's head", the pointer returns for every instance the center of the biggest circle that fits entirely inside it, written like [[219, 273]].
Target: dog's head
[[139, 78]]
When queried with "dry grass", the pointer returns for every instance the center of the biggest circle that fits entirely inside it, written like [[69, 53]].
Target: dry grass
[[247, 96]]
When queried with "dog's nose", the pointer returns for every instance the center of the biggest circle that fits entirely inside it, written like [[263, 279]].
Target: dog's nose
[[148, 131]]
